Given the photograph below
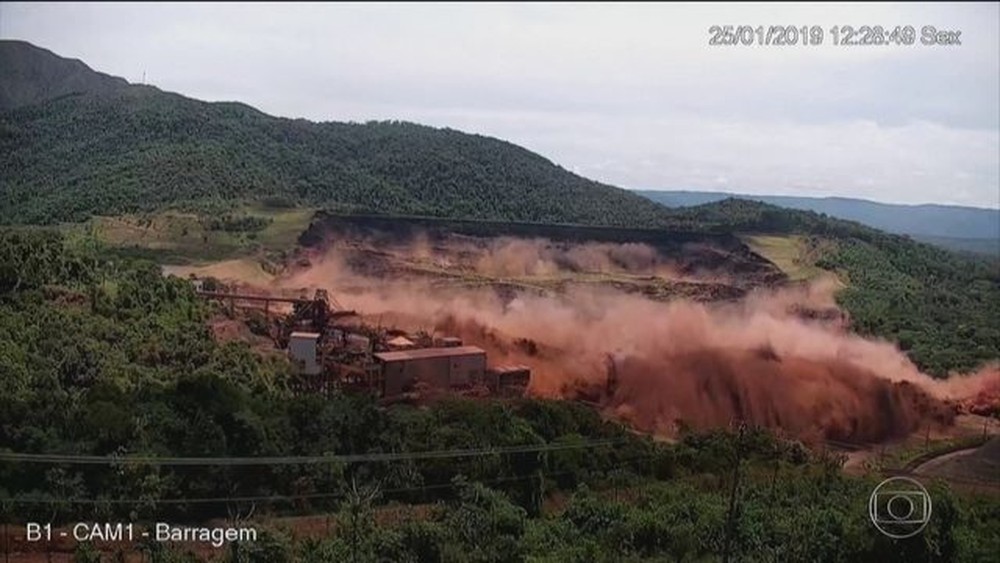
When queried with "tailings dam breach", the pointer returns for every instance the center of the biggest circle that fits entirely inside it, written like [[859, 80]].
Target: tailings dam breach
[[660, 333]]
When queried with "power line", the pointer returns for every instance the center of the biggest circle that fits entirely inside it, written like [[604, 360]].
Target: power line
[[295, 460], [271, 498], [311, 496]]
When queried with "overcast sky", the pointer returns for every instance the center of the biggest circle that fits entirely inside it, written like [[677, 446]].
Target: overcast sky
[[631, 95]]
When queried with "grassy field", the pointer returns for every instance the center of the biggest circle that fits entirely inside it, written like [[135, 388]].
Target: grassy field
[[174, 237], [248, 270], [795, 255]]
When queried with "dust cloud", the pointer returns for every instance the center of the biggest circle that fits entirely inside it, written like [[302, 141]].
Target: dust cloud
[[656, 365], [507, 256]]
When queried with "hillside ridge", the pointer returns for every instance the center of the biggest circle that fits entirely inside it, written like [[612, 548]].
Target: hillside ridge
[[926, 220], [31, 75], [137, 149]]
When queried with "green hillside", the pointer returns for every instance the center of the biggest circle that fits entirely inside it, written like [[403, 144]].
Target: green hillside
[[940, 307], [29, 75], [143, 149]]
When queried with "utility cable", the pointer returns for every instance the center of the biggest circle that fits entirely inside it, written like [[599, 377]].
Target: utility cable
[[295, 460]]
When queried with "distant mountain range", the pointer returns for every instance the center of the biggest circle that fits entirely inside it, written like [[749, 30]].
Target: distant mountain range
[[961, 228]]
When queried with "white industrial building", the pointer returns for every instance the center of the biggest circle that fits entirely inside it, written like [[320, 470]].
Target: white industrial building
[[302, 350]]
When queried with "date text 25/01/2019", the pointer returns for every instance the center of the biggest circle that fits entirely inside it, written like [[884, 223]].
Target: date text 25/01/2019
[[838, 35]]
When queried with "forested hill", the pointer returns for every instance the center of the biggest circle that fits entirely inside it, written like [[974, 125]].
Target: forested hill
[[940, 307], [29, 75], [138, 149]]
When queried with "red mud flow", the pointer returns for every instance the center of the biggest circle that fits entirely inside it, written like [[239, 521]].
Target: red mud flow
[[808, 398], [656, 365]]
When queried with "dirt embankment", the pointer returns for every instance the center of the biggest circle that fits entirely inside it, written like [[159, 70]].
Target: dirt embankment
[[659, 265]]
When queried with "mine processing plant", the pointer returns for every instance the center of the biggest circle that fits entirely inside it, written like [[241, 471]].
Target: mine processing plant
[[334, 350]]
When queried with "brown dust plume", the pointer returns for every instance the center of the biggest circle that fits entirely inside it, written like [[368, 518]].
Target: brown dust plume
[[660, 365]]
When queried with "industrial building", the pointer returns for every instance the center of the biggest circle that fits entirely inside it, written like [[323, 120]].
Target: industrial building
[[440, 368], [333, 350], [302, 350], [510, 380]]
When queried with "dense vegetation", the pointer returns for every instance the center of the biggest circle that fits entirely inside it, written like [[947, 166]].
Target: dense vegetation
[[142, 149], [940, 307], [807, 515], [29, 75], [111, 358]]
